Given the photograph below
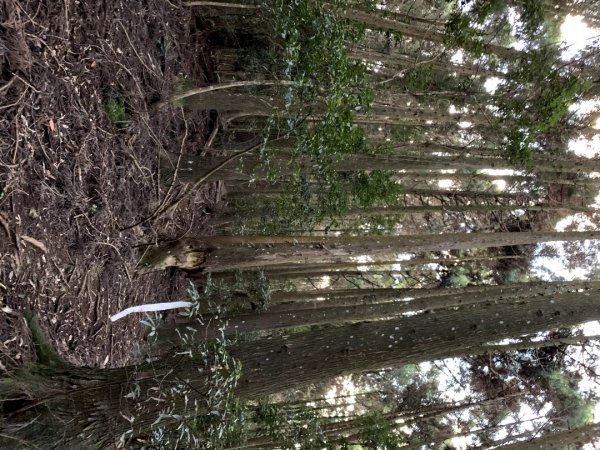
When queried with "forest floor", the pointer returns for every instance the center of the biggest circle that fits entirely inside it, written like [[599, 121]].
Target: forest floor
[[71, 179]]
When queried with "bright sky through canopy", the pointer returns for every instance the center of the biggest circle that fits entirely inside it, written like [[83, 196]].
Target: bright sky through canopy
[[576, 35]]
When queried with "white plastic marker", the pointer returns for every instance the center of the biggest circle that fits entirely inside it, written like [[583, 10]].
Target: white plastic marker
[[150, 307]]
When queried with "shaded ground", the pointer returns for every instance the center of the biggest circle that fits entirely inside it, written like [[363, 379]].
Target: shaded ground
[[70, 179]]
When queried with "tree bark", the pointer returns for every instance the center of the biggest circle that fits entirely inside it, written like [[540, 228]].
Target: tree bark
[[250, 166], [88, 408], [227, 253], [559, 440], [353, 305]]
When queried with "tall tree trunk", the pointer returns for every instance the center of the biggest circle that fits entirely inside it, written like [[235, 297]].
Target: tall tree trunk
[[364, 214], [378, 22], [332, 270], [227, 253], [559, 440], [353, 305], [70, 408], [194, 168], [298, 359]]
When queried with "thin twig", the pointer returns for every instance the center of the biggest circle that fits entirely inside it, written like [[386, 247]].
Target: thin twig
[[233, 84], [40, 245], [403, 71], [120, 256], [161, 210], [222, 4], [177, 165], [210, 173], [135, 50], [213, 135], [158, 210], [21, 441], [8, 84]]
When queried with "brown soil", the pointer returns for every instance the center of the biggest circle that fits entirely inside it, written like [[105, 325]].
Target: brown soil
[[70, 179]]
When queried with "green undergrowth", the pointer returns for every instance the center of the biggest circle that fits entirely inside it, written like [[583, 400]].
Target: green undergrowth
[[116, 112]]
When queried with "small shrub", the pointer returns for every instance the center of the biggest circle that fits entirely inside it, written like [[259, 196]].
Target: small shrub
[[116, 112]]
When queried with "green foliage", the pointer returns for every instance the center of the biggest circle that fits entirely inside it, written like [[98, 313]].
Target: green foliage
[[419, 77], [520, 148], [516, 276], [218, 296], [336, 83], [116, 112], [459, 280], [460, 34], [45, 354], [380, 434], [466, 30], [486, 8], [290, 428], [407, 374], [213, 419], [296, 208], [575, 408], [533, 17], [377, 186], [379, 224], [536, 93], [405, 133], [557, 95], [533, 101], [307, 28], [457, 277], [258, 288]]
